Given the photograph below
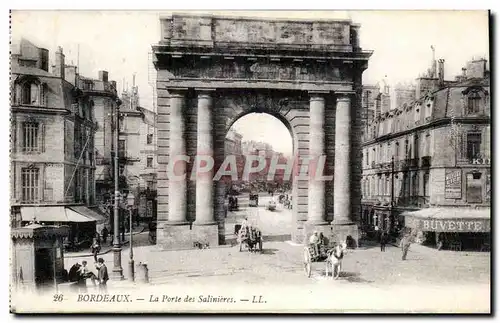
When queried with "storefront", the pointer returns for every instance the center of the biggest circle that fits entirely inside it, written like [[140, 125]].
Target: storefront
[[82, 221], [458, 228]]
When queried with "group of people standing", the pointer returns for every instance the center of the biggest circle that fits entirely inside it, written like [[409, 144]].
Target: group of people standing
[[79, 273]]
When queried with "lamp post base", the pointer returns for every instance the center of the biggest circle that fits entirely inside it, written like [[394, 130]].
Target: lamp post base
[[117, 272], [131, 270]]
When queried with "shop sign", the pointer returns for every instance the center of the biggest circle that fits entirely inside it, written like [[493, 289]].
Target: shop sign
[[481, 161], [453, 184], [456, 225]]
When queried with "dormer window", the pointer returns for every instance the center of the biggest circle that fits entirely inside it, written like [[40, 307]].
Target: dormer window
[[29, 94], [417, 113], [30, 91], [474, 103], [429, 102]]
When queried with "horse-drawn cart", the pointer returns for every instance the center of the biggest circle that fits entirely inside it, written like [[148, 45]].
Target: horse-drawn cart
[[251, 237], [332, 258]]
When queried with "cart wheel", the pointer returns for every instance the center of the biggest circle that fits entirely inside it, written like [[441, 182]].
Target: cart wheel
[[307, 263]]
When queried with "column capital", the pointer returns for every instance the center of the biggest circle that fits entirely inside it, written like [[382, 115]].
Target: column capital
[[317, 95], [177, 91], [344, 95], [204, 92]]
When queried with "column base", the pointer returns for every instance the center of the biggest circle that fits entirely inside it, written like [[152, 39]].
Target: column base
[[346, 233], [206, 233], [310, 227], [174, 236], [298, 232]]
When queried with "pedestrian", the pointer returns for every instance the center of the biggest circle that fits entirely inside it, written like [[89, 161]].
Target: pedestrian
[[383, 241], [102, 275], [105, 234], [96, 248], [405, 245]]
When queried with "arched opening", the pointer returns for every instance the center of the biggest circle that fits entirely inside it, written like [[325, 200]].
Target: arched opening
[[262, 193]]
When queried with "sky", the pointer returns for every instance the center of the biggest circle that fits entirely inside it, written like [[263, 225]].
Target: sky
[[119, 42]]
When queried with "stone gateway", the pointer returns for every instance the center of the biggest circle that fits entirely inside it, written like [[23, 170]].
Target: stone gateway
[[212, 70]]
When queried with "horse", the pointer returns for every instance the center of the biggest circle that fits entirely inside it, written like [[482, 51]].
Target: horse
[[334, 259]]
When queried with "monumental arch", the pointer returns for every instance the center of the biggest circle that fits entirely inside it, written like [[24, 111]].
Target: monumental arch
[[213, 70]]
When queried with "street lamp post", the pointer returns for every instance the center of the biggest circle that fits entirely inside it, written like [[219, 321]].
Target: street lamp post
[[117, 250], [130, 201]]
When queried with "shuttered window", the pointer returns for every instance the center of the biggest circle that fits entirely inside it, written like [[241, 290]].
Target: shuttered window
[[30, 185]]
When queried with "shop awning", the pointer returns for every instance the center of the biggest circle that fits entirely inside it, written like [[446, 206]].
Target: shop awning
[[52, 214], [460, 219], [89, 213]]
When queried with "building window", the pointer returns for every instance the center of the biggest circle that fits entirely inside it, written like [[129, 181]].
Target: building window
[[473, 145], [417, 115], [121, 147], [149, 162], [416, 144], [473, 103], [30, 94], [474, 188], [407, 149], [149, 139], [389, 152], [31, 136], [426, 184], [414, 184], [387, 184], [427, 150], [396, 151], [30, 184]]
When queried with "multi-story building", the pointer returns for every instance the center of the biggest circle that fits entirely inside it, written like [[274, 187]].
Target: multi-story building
[[137, 151], [101, 93], [52, 143], [369, 98], [426, 163]]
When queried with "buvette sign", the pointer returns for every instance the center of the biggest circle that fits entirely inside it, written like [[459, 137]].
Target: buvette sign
[[455, 225]]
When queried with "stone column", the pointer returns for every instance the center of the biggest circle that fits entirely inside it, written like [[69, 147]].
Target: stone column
[[342, 177], [204, 180], [177, 189], [205, 227], [344, 228], [316, 187], [316, 192]]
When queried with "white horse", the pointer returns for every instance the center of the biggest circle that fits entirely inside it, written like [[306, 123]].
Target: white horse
[[334, 260]]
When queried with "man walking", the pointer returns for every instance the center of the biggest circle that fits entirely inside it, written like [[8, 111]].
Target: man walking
[[405, 244], [383, 241]]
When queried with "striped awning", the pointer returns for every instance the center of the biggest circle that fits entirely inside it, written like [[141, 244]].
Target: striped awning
[[52, 214], [83, 210]]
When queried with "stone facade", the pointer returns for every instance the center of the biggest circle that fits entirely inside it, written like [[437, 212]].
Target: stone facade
[[440, 144], [52, 134], [305, 73], [139, 156]]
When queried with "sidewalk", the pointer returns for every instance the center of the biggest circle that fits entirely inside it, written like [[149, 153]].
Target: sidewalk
[[106, 247]]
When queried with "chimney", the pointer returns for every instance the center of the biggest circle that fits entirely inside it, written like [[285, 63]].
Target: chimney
[[441, 72], [103, 76], [58, 69], [70, 74], [476, 68]]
